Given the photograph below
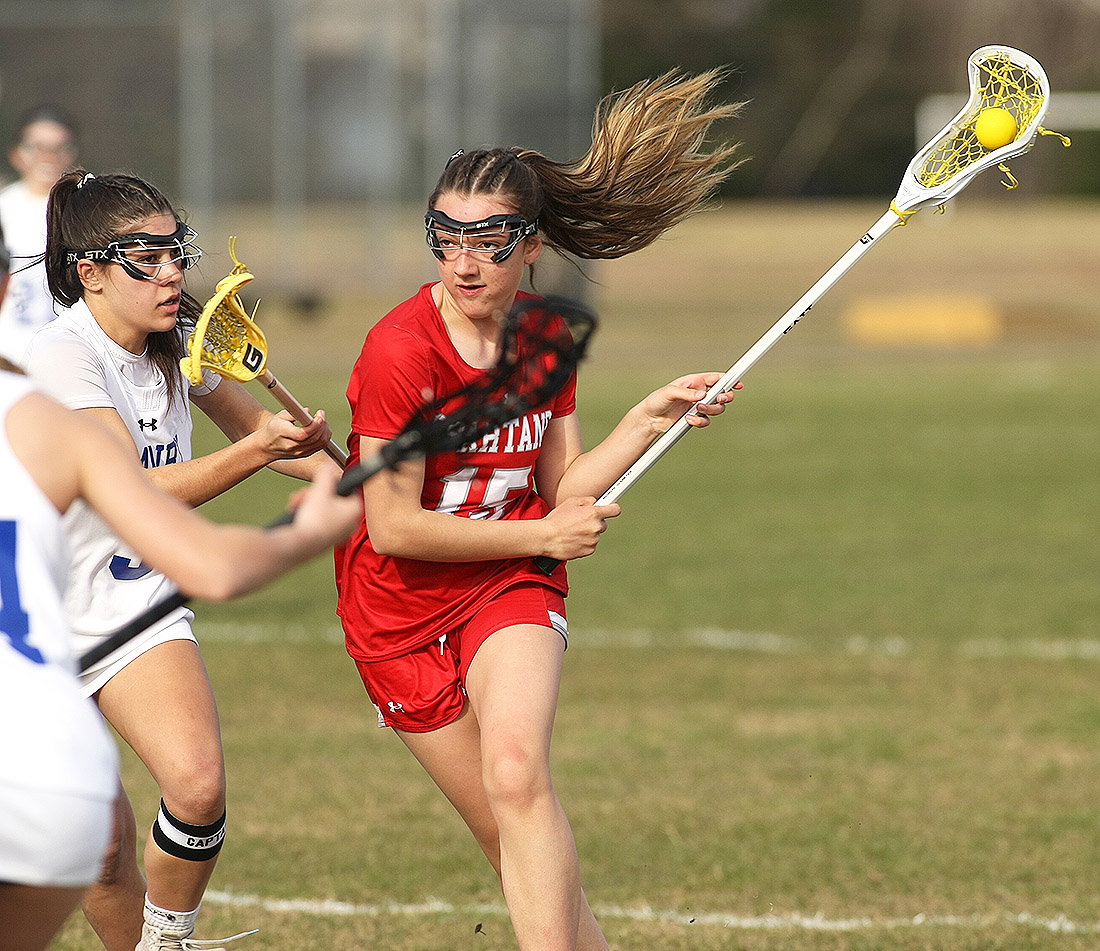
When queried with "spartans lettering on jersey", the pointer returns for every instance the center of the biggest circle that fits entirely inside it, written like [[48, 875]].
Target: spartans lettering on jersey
[[160, 454], [520, 435]]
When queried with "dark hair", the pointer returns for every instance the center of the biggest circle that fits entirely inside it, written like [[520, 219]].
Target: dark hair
[[645, 171], [5, 257], [44, 112], [86, 212], [5, 264]]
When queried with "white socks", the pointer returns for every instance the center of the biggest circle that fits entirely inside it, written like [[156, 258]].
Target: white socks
[[177, 923]]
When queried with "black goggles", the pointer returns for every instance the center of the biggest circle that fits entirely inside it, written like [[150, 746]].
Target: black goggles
[[142, 255], [495, 237]]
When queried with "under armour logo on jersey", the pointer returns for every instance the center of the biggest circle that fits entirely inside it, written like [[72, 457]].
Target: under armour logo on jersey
[[394, 707], [127, 569], [151, 424]]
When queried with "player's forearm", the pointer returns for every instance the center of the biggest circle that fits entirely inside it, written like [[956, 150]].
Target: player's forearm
[[234, 559], [304, 469], [200, 480], [591, 473], [434, 536]]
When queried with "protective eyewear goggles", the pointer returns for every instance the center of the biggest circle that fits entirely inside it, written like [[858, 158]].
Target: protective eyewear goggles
[[142, 255], [495, 237]]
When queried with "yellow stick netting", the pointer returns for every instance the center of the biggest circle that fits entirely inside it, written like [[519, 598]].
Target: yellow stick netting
[[1002, 84], [225, 338]]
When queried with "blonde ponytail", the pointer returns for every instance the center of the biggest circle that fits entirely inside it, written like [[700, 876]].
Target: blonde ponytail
[[646, 171]]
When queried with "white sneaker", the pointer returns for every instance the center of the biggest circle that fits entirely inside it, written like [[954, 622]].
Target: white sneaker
[[160, 939]]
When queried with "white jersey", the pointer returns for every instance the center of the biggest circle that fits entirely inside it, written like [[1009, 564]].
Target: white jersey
[[27, 304], [56, 755], [80, 366]]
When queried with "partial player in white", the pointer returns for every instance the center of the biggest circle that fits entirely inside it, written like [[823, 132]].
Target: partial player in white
[[116, 253], [44, 147], [59, 772]]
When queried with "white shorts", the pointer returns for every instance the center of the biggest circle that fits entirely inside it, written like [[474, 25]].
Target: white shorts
[[95, 677], [58, 775], [50, 838]]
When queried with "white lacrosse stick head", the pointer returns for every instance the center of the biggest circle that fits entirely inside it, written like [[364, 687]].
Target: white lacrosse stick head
[[1000, 77]]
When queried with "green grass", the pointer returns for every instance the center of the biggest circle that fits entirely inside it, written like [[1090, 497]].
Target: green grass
[[837, 658], [921, 503]]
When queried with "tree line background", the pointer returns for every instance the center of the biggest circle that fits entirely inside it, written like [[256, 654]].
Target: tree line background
[[832, 87], [362, 100]]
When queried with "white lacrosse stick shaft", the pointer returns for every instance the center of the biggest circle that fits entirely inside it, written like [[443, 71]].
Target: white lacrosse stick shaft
[[920, 188], [300, 414], [798, 310], [912, 196]]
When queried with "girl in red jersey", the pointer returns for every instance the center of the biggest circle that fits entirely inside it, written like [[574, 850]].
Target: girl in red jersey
[[458, 637]]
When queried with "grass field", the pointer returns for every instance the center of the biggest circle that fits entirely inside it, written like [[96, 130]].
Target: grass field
[[832, 681]]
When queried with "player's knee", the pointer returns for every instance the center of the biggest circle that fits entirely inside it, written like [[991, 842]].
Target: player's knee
[[516, 779], [119, 863], [120, 856], [111, 869], [197, 792]]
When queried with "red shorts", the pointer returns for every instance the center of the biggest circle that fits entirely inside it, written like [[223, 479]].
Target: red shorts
[[425, 689]]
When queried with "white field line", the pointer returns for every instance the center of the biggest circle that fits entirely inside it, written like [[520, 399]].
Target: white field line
[[433, 906], [750, 642], [743, 641]]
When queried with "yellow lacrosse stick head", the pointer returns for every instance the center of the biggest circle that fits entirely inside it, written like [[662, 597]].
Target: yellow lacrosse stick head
[[226, 339]]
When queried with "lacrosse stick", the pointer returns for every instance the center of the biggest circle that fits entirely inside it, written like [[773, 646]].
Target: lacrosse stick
[[1001, 78], [227, 340], [541, 343]]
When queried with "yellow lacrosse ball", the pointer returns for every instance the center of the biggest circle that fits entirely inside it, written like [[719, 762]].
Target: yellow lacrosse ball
[[995, 128]]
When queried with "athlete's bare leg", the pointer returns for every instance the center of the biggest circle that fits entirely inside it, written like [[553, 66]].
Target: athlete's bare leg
[[493, 765], [30, 916], [109, 903], [162, 704]]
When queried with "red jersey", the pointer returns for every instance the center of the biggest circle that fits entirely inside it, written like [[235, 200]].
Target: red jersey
[[390, 605]]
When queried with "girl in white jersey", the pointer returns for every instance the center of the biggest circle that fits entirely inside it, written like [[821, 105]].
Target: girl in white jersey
[[44, 146], [59, 769], [115, 255]]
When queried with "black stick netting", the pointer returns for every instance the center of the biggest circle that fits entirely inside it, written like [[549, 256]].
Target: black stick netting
[[542, 342]]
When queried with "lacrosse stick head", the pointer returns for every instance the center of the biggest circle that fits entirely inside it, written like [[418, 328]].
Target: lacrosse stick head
[[542, 341], [1000, 78], [226, 339]]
